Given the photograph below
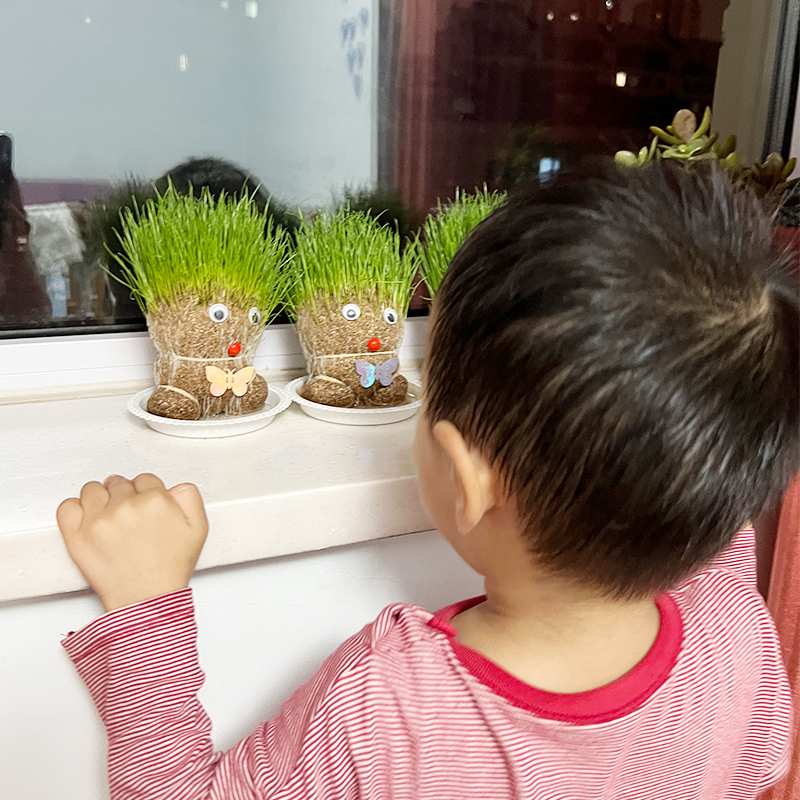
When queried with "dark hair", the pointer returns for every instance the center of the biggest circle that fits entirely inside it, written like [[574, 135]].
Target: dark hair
[[623, 344], [218, 176]]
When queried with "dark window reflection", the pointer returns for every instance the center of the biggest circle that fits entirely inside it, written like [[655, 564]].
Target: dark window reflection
[[489, 89]]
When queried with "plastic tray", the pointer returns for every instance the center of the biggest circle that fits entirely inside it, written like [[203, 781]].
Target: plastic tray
[[213, 427], [357, 416]]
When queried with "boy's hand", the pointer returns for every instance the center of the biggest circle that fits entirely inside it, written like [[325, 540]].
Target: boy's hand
[[134, 540]]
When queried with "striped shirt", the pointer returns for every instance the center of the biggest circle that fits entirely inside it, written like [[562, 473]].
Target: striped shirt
[[404, 711]]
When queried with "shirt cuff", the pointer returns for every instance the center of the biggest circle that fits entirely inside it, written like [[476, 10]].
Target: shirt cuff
[[172, 607]]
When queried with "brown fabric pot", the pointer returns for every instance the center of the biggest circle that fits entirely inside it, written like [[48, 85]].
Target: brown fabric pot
[[202, 365], [339, 350]]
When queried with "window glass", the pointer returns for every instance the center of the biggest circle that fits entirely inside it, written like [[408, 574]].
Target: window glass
[[397, 102]]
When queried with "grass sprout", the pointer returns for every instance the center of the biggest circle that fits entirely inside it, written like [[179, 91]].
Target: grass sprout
[[347, 255], [444, 231], [177, 245]]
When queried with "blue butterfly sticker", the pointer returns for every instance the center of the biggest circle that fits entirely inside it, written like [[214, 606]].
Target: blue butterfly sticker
[[383, 373]]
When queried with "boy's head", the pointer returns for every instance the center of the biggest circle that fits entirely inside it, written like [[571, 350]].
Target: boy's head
[[621, 347]]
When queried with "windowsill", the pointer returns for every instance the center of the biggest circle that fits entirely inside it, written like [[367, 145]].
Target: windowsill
[[297, 485]]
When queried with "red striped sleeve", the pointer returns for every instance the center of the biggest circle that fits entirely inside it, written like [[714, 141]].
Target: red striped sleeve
[[140, 665]]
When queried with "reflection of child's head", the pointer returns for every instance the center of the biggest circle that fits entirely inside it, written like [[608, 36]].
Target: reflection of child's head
[[220, 176], [215, 174], [623, 348]]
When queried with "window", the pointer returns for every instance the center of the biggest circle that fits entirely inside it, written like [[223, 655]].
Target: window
[[311, 97]]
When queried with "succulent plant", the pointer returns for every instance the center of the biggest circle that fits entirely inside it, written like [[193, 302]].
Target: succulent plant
[[686, 141], [770, 179], [627, 158]]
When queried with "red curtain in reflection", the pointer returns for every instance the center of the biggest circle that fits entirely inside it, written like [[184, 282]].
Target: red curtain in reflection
[[485, 85], [462, 69], [417, 52]]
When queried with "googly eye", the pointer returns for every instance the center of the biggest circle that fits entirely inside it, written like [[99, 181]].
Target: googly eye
[[390, 315], [351, 312], [219, 312], [254, 315]]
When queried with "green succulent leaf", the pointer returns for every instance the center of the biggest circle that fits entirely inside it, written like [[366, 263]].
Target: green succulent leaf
[[626, 158], [664, 136], [684, 125], [705, 124], [727, 148]]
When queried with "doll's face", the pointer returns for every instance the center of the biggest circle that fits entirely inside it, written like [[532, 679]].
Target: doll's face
[[208, 330], [351, 327]]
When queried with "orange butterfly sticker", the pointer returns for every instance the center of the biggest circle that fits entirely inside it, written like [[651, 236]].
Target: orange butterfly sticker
[[238, 381]]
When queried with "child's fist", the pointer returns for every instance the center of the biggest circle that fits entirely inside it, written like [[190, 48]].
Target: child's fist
[[134, 540]]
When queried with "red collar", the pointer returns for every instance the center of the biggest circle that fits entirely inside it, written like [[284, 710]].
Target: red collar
[[606, 703]]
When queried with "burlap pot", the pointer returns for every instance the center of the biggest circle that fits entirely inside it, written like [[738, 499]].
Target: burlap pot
[[189, 342], [336, 348]]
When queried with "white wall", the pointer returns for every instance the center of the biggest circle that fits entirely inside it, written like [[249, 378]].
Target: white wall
[[264, 629], [92, 89]]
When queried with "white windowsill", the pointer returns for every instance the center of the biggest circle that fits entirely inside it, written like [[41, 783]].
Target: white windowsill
[[297, 485]]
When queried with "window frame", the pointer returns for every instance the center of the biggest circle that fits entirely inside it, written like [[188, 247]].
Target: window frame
[[42, 364], [784, 90]]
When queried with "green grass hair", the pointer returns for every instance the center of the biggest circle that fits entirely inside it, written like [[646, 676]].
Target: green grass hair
[[346, 255], [179, 245], [443, 232]]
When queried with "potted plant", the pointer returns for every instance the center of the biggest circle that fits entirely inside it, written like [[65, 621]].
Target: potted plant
[[349, 292], [686, 141], [689, 142], [207, 279], [444, 231]]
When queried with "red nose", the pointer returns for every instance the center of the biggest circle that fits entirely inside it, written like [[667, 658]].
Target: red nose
[[374, 344], [234, 349]]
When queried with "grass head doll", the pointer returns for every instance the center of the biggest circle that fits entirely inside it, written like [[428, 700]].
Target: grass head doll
[[350, 290], [207, 280]]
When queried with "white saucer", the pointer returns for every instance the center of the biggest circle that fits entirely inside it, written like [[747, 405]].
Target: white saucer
[[213, 427], [356, 416]]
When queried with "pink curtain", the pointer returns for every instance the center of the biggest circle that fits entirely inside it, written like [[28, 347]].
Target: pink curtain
[[784, 603]]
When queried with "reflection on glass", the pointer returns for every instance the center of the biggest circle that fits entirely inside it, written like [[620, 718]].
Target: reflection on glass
[[22, 297], [388, 104]]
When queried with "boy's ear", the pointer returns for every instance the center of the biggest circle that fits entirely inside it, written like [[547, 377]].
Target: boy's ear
[[474, 478]]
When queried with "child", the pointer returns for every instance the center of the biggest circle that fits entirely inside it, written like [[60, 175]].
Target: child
[[612, 390]]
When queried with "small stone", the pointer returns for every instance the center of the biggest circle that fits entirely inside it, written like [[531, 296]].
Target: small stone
[[329, 392], [166, 402]]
